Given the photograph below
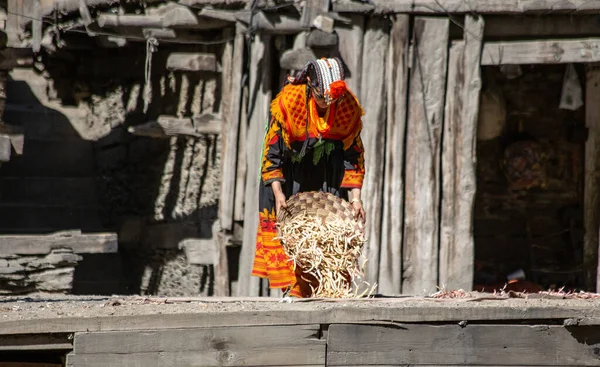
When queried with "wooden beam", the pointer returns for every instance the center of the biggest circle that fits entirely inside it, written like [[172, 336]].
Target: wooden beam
[[497, 345], [295, 345], [166, 126], [35, 342], [272, 23], [457, 247], [465, 7], [110, 20], [351, 48], [258, 116], [232, 93], [541, 52], [591, 202], [541, 26], [373, 137], [390, 263], [423, 144], [192, 61], [240, 180], [42, 244]]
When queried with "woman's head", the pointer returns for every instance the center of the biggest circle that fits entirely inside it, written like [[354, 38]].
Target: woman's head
[[325, 80]]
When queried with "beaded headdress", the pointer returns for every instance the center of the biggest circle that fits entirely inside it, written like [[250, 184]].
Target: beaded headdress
[[330, 77]]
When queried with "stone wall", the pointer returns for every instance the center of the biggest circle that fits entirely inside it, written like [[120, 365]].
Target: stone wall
[[153, 192]]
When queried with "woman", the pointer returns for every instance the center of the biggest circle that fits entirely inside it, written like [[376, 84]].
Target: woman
[[312, 144]]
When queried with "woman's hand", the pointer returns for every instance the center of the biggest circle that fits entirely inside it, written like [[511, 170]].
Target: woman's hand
[[280, 201], [359, 211]]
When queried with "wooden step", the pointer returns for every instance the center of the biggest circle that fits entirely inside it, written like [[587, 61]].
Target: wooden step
[[79, 243], [65, 191], [52, 159]]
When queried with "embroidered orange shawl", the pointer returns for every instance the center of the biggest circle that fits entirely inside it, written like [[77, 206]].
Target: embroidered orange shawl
[[342, 121]]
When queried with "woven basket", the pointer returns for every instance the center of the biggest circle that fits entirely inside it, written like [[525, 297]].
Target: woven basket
[[318, 204]]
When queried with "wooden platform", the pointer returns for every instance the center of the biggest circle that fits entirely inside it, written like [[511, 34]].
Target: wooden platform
[[135, 331]]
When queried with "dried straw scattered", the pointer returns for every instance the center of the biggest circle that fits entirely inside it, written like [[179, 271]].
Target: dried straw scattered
[[326, 249]]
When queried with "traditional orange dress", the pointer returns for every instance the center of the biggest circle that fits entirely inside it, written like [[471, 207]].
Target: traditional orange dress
[[333, 162]]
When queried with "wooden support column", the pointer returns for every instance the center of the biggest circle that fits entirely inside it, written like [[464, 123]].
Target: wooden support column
[[351, 48], [457, 248], [390, 262], [423, 143], [232, 91], [258, 114], [591, 200], [373, 136]]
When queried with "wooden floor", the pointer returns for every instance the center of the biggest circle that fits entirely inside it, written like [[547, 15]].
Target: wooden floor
[[160, 332]]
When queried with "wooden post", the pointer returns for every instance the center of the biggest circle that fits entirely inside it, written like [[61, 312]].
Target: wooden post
[[260, 97], [390, 262], [351, 46], [425, 120], [457, 248], [231, 104], [592, 179], [373, 136]]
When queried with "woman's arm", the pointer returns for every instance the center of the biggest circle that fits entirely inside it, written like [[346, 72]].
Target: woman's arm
[[272, 163]]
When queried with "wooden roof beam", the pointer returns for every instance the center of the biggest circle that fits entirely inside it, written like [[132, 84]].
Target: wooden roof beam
[[166, 126], [468, 6]]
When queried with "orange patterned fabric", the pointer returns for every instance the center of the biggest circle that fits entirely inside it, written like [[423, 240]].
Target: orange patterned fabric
[[270, 260], [342, 121], [353, 178]]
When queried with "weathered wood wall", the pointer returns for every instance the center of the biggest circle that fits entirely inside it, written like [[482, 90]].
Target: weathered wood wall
[[415, 70]]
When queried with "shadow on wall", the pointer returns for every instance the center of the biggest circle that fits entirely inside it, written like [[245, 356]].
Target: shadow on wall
[[159, 194]]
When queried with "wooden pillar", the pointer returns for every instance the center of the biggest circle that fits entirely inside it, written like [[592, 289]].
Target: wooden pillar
[[231, 100], [592, 179], [423, 143], [258, 114], [457, 248], [351, 49], [390, 260], [373, 136]]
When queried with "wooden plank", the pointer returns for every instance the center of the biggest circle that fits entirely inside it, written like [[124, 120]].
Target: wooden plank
[[553, 51], [350, 47], [237, 314], [425, 123], [390, 262], [406, 344], [35, 342], [591, 200], [231, 97], [227, 181], [373, 136], [166, 126], [5, 148], [240, 180], [43, 244], [457, 247], [254, 346], [192, 61], [258, 115], [271, 23], [110, 20], [464, 7]]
